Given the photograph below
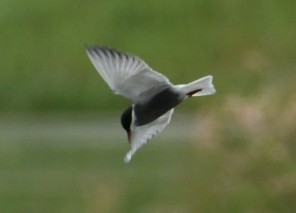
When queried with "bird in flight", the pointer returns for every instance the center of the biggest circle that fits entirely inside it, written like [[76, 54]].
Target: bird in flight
[[154, 97]]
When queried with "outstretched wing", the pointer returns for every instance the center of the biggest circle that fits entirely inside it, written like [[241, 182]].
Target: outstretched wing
[[143, 134], [126, 74]]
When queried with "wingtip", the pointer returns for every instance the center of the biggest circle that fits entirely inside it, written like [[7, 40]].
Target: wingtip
[[128, 157], [88, 47], [92, 46]]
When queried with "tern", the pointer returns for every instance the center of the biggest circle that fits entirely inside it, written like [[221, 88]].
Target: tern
[[154, 97]]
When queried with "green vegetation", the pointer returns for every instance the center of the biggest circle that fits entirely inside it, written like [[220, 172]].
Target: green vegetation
[[75, 164], [199, 164], [235, 154], [244, 44]]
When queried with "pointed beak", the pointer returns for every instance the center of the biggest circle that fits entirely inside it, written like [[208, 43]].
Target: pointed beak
[[129, 136]]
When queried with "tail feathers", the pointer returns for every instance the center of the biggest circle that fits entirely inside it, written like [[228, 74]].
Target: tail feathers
[[200, 87]]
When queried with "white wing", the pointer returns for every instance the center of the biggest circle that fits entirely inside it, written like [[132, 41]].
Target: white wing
[[142, 134], [126, 74]]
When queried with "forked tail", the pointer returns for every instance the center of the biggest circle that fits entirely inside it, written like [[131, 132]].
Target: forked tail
[[200, 87]]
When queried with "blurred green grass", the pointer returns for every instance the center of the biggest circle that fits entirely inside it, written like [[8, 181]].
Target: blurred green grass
[[232, 152], [199, 164], [244, 44]]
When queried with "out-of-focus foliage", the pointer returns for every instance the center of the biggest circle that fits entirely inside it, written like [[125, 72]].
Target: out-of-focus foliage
[[234, 152], [246, 45], [242, 160]]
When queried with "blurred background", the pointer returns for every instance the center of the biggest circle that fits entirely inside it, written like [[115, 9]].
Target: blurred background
[[61, 143]]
